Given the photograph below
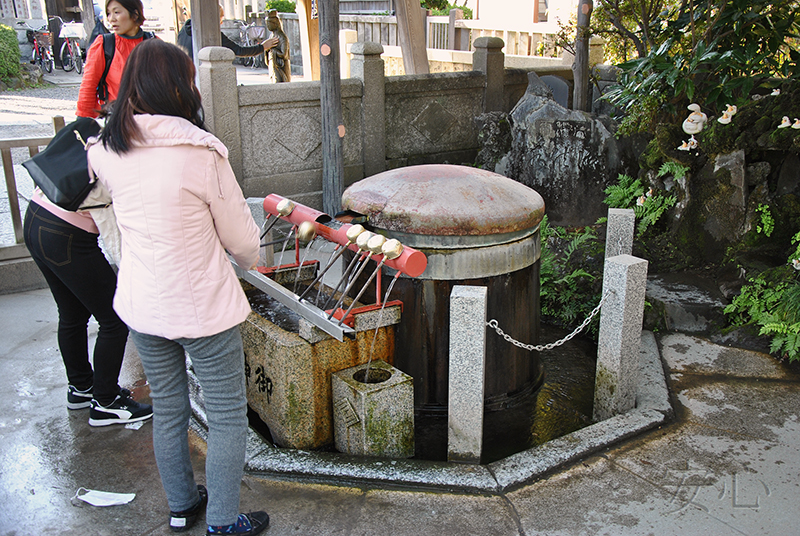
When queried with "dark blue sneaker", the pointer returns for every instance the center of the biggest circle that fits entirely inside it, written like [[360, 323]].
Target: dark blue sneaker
[[78, 399], [183, 520], [246, 525], [121, 411], [83, 399]]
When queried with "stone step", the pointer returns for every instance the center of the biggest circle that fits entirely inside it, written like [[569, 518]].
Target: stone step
[[683, 302], [19, 275]]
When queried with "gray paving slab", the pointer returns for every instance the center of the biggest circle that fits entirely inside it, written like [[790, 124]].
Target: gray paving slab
[[688, 354]]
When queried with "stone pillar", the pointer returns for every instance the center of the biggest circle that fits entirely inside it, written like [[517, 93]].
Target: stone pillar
[[489, 59], [346, 37], [619, 232], [467, 374], [620, 336], [266, 256], [453, 37], [217, 85], [367, 66]]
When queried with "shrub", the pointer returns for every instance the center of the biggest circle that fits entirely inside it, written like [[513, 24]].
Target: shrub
[[9, 53], [281, 6], [714, 52], [771, 301], [569, 275], [647, 206]]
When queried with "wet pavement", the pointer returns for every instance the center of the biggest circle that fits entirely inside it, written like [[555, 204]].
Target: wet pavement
[[726, 462]]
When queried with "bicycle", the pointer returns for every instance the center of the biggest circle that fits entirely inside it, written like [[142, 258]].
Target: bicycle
[[72, 33], [249, 35], [42, 40]]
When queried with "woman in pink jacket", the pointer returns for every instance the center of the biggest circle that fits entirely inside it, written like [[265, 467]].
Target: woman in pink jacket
[[179, 209]]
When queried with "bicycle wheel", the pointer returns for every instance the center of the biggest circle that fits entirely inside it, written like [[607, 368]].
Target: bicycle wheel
[[77, 58], [66, 57], [48, 61]]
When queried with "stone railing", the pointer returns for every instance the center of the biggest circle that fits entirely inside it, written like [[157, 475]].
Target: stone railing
[[274, 132]]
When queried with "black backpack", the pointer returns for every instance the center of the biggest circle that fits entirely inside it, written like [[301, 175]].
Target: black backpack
[[109, 47]]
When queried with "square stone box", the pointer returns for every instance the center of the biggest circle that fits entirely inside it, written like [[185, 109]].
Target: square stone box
[[289, 377], [374, 419]]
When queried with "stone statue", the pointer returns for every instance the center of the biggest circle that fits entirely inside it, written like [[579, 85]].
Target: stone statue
[[279, 55]]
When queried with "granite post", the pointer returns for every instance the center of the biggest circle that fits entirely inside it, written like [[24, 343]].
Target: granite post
[[217, 84], [489, 59], [467, 373], [367, 66], [619, 232], [625, 279], [266, 256]]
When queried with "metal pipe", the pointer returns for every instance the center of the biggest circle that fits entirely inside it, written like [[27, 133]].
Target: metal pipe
[[363, 241], [391, 249], [411, 262], [352, 234]]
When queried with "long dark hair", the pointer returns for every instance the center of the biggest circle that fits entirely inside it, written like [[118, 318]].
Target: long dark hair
[[134, 7], [158, 79]]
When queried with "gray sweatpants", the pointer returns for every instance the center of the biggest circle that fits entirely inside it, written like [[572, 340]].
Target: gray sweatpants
[[218, 362]]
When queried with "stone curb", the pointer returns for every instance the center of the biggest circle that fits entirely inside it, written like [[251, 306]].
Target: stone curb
[[652, 409]]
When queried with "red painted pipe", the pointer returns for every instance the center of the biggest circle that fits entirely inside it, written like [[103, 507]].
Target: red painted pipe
[[411, 262]]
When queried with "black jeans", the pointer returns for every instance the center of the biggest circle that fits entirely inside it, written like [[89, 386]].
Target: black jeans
[[83, 285]]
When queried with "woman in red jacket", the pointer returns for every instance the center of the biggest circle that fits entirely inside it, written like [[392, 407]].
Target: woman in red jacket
[[125, 18]]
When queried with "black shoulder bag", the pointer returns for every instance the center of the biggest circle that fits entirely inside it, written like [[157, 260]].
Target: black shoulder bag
[[61, 170]]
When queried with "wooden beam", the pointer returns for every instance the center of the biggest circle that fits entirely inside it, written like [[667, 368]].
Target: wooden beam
[[205, 25], [309, 40], [580, 65], [411, 30], [331, 104]]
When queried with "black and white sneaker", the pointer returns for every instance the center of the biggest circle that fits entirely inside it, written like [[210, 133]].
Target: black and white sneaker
[[122, 410], [83, 399], [78, 399]]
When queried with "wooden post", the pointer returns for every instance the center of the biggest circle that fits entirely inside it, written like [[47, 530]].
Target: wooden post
[[205, 26], [580, 65], [309, 40], [411, 34], [331, 104], [87, 18]]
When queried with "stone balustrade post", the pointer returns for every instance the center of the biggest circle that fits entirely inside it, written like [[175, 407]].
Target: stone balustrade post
[[467, 373], [367, 66], [217, 84], [489, 59], [625, 277], [619, 232]]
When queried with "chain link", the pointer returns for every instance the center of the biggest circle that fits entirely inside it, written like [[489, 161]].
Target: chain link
[[539, 347]]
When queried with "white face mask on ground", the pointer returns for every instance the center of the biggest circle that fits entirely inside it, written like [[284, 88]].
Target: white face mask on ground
[[103, 498]]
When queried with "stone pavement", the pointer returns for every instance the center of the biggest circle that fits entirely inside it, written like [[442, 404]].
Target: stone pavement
[[726, 462]]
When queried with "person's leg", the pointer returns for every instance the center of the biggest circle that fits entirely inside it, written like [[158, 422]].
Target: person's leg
[[218, 361], [164, 363], [86, 286], [49, 243]]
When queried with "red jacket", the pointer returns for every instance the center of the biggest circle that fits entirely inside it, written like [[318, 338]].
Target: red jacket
[[88, 104]]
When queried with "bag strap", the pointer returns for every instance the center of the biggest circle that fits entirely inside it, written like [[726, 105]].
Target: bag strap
[[109, 48]]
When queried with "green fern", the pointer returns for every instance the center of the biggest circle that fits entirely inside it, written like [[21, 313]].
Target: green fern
[[673, 168], [625, 193]]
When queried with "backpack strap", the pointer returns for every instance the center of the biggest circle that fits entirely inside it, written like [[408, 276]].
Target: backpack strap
[[109, 47]]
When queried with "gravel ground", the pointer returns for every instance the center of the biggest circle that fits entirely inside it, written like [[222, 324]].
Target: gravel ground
[[29, 112]]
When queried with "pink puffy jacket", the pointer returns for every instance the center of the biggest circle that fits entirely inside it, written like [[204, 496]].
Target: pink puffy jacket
[[178, 207]]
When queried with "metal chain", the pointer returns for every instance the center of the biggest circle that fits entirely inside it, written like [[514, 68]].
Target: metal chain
[[539, 347]]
